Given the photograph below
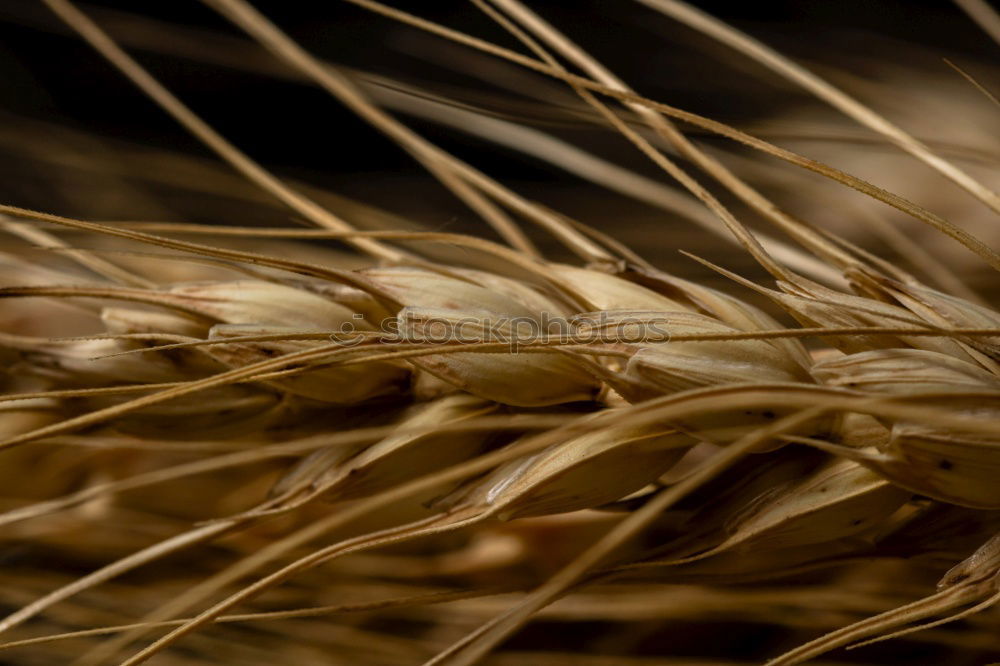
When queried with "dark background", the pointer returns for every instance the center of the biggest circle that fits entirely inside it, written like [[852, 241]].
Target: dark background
[[49, 75], [50, 80]]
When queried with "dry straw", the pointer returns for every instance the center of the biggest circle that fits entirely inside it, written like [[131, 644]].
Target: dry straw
[[606, 441]]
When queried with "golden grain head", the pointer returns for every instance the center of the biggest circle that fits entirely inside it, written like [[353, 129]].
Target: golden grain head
[[415, 452]]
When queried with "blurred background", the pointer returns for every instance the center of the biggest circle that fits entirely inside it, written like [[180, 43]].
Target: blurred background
[[78, 139]]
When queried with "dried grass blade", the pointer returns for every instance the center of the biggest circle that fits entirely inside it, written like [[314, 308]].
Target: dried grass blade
[[477, 644], [156, 551], [441, 164], [984, 15], [974, 579], [667, 131], [230, 153], [898, 202], [84, 257], [756, 50]]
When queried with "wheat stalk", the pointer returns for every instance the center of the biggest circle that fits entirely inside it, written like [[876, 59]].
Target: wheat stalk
[[415, 428]]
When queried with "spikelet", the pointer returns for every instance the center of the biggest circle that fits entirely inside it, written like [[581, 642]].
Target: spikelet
[[258, 302], [680, 365], [337, 384], [421, 288], [302, 478], [813, 304], [840, 499], [163, 328], [658, 368], [527, 380], [906, 371], [530, 297], [123, 321], [93, 362], [703, 526], [583, 472], [341, 473], [250, 307], [952, 466], [787, 506], [729, 310], [608, 292], [354, 299], [429, 303], [948, 311]]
